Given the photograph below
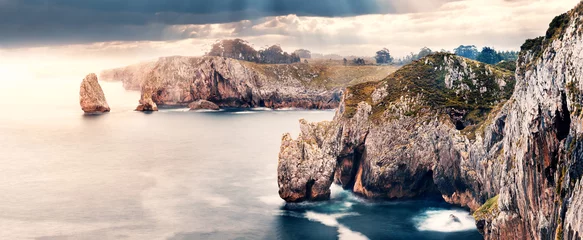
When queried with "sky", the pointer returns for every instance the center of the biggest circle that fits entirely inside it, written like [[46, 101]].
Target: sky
[[109, 33]]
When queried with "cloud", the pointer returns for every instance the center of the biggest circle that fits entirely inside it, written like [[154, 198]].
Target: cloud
[[41, 22], [502, 24]]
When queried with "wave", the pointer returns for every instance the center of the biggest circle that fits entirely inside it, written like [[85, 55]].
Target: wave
[[442, 221], [331, 220], [174, 110]]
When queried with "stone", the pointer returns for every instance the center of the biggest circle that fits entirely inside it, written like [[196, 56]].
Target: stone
[[177, 81], [91, 97], [203, 105]]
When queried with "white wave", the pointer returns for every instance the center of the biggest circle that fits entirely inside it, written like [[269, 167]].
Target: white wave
[[244, 112], [346, 234], [286, 109], [441, 221], [261, 109], [331, 220], [206, 110], [175, 110]]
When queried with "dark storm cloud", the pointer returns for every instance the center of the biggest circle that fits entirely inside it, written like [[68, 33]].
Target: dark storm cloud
[[42, 22]]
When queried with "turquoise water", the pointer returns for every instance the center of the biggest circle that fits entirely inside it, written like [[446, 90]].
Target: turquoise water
[[173, 174]]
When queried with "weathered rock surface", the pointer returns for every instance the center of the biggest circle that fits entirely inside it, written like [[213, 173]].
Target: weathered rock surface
[[91, 96], [431, 127], [397, 138], [131, 76], [202, 105], [178, 81]]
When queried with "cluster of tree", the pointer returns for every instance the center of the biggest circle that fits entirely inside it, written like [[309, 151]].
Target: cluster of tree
[[384, 57], [424, 52], [358, 61], [275, 55], [487, 55], [242, 50]]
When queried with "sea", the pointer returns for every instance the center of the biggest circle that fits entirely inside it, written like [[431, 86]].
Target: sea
[[173, 174]]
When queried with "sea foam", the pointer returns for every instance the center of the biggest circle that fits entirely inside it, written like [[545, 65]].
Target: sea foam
[[441, 221]]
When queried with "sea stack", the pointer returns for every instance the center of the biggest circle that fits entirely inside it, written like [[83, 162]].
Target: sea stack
[[91, 96]]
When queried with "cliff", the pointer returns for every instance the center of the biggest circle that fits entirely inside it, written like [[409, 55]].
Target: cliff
[[443, 125], [179, 81], [397, 138], [91, 97]]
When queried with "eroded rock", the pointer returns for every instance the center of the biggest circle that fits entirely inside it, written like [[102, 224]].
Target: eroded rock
[[203, 105], [91, 96]]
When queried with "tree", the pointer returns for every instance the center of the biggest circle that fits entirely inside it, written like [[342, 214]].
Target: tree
[[234, 48], [276, 55], [508, 56], [358, 61], [424, 52], [303, 53], [469, 51], [489, 56], [384, 57]]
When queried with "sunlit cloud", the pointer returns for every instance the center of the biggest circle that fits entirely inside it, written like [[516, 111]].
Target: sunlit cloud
[[498, 23]]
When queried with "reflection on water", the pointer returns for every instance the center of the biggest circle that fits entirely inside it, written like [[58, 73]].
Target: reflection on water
[[170, 175]]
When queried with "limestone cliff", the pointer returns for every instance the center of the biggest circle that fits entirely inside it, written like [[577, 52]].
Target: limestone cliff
[[443, 125], [396, 138], [179, 81], [91, 97]]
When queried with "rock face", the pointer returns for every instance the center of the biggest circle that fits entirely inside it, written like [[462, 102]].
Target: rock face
[[91, 96], [443, 125], [203, 104], [130, 76], [399, 138], [178, 81]]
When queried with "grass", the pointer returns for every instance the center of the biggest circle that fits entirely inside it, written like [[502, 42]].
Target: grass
[[556, 30], [426, 78], [487, 210], [324, 74]]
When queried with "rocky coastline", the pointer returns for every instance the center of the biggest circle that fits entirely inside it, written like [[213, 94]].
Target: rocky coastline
[[230, 83], [507, 148]]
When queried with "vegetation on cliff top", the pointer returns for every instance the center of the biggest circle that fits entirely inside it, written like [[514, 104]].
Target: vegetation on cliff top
[[556, 30], [488, 209], [476, 89], [329, 74]]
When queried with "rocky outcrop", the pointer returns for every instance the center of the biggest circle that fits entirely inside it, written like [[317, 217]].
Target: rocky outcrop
[[131, 76], [203, 105], [178, 81], [91, 96], [443, 125], [397, 138]]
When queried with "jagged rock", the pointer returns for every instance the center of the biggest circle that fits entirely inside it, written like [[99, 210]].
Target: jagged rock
[[306, 165], [91, 96], [147, 105], [178, 81], [523, 159], [203, 104], [131, 76], [453, 218], [400, 145]]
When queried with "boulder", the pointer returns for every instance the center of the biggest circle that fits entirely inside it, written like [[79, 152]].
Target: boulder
[[91, 97], [203, 104], [147, 105]]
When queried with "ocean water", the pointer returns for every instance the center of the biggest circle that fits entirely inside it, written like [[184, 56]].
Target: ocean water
[[173, 174]]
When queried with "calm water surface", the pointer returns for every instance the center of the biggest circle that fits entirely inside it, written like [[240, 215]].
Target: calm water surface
[[173, 174]]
